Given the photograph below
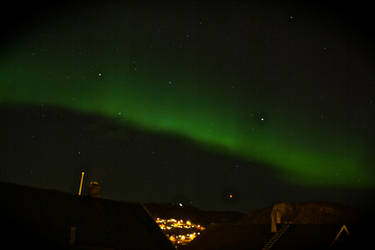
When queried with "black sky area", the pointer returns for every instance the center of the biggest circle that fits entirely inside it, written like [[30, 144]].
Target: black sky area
[[49, 146], [354, 16]]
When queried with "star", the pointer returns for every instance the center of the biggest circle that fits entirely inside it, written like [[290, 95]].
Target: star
[[170, 82], [99, 74], [262, 119]]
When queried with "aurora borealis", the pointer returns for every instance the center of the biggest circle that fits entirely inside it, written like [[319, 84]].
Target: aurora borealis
[[268, 85]]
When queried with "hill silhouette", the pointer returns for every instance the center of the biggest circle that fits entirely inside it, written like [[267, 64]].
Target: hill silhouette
[[310, 213]]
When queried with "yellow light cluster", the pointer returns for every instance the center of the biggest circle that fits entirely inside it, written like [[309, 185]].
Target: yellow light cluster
[[188, 231]]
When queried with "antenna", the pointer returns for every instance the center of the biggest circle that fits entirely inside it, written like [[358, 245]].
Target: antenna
[[81, 183]]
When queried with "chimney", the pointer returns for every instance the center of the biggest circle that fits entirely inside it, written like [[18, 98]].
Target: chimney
[[94, 189]]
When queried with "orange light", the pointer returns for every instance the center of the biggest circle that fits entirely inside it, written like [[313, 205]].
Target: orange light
[[230, 196], [179, 239]]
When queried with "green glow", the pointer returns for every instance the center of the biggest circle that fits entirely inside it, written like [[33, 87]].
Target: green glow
[[193, 106]]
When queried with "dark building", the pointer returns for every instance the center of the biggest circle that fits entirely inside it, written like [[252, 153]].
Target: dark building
[[48, 219]]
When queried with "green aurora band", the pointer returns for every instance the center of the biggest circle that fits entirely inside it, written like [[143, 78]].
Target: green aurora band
[[225, 122]]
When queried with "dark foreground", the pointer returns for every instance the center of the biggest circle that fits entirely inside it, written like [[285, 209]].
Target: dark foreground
[[48, 219]]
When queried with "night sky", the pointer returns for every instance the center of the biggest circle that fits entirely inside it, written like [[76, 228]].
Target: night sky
[[190, 101]]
